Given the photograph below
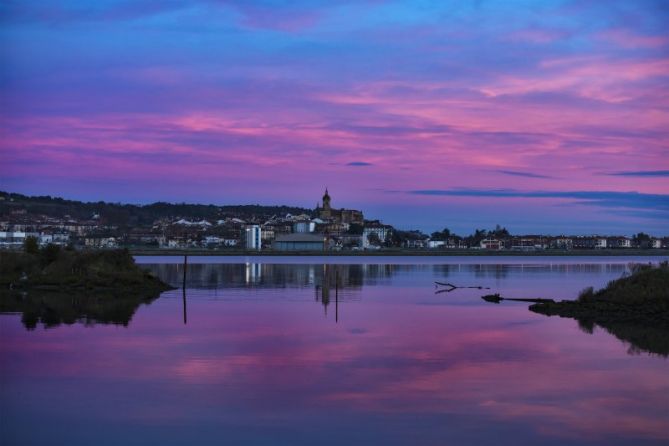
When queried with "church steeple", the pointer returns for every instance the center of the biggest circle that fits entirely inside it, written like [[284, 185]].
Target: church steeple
[[326, 210], [326, 199]]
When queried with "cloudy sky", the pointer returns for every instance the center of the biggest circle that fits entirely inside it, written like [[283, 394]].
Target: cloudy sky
[[542, 116]]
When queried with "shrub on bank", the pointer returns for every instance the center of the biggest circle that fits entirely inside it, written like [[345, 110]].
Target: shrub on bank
[[54, 267]]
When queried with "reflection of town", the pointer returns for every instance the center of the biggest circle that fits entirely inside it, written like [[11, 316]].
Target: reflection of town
[[331, 283], [348, 276], [334, 283], [268, 275], [498, 271]]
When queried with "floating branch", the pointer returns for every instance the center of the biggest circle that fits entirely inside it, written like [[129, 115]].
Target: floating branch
[[496, 298], [450, 287]]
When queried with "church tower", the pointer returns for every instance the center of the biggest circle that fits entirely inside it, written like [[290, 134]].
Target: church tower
[[326, 211]]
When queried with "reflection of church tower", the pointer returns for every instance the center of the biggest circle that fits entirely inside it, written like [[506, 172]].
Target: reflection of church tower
[[326, 212], [330, 277], [325, 287]]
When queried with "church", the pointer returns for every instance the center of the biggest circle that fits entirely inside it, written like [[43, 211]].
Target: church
[[341, 216]]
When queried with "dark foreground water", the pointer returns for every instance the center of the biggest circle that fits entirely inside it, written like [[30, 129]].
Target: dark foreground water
[[304, 352]]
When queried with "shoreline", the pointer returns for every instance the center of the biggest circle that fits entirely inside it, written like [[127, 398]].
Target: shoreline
[[403, 253]]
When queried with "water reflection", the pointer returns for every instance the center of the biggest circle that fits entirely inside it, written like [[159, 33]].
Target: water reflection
[[52, 309], [328, 280], [271, 275], [639, 338], [403, 366]]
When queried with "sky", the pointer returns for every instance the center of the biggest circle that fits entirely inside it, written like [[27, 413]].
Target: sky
[[541, 116]]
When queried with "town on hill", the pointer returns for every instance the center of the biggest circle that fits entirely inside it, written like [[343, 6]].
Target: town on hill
[[50, 220]]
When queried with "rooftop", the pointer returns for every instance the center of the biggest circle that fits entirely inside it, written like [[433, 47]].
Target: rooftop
[[300, 237]]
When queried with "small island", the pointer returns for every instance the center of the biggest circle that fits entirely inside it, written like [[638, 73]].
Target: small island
[[634, 308], [53, 286]]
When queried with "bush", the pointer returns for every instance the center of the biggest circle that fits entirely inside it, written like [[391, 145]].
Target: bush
[[586, 293], [639, 267], [49, 254], [30, 245]]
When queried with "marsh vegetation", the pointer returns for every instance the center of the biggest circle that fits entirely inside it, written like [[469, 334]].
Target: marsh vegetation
[[54, 286], [634, 308]]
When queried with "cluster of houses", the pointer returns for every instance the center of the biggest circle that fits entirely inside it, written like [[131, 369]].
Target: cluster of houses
[[541, 242], [329, 229], [326, 228], [47, 230]]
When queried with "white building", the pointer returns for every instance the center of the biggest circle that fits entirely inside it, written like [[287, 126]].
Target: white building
[[493, 244], [15, 239], [230, 242], [381, 231], [253, 237], [183, 222], [432, 244], [212, 240], [45, 239], [100, 242], [304, 226], [60, 238]]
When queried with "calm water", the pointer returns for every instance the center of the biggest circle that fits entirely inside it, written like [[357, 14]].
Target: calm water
[[359, 351]]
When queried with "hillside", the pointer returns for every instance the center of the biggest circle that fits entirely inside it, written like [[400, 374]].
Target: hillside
[[134, 215]]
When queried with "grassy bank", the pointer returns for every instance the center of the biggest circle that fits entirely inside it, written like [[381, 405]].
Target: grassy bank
[[635, 308], [54, 269]]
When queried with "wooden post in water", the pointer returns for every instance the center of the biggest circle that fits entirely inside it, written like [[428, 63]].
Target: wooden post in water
[[337, 296], [184, 299], [185, 267], [183, 287]]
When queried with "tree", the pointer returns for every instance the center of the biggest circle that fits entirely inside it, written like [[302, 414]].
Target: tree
[[500, 232], [441, 235], [400, 238], [30, 245], [642, 240], [476, 237]]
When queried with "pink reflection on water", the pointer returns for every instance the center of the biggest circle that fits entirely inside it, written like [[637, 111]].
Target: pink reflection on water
[[278, 361]]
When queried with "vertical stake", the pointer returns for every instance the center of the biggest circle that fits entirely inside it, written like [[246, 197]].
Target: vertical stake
[[337, 296], [185, 267], [183, 287], [184, 299]]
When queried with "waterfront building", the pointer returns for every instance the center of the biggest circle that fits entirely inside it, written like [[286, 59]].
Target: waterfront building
[[375, 229], [619, 242], [493, 244], [253, 238], [299, 242], [562, 242], [588, 242]]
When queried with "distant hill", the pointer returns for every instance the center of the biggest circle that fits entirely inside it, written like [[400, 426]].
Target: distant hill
[[130, 214]]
